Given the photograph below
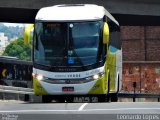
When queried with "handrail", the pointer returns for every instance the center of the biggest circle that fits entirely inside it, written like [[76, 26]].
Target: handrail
[[138, 95], [29, 91], [19, 90]]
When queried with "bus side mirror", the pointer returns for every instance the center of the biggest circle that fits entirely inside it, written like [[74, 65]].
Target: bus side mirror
[[27, 33], [105, 33]]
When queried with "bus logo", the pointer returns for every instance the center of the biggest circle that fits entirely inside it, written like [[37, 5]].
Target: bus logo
[[74, 76]]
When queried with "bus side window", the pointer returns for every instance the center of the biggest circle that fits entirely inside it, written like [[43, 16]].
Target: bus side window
[[114, 37]]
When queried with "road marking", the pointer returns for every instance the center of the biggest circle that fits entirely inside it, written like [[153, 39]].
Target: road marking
[[119, 109], [82, 106], [21, 111], [116, 109]]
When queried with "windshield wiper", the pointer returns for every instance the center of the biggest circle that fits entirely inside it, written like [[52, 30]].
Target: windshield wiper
[[43, 66]]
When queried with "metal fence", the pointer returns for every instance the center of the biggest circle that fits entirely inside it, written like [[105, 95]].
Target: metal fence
[[16, 78], [29, 92], [15, 72], [139, 95]]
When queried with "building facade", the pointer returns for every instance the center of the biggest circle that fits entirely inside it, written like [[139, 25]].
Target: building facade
[[3, 42], [141, 58]]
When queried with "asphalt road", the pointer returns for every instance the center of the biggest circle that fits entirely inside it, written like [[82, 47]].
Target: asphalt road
[[79, 111]]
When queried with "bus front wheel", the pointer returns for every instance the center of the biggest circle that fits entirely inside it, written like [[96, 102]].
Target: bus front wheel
[[46, 99], [114, 97]]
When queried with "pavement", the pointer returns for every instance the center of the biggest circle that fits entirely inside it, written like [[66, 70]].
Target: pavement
[[80, 111]]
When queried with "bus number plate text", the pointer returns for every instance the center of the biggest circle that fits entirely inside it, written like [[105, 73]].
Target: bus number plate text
[[67, 89], [85, 99]]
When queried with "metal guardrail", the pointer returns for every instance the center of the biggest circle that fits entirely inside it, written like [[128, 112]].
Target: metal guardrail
[[29, 91], [18, 90], [139, 95]]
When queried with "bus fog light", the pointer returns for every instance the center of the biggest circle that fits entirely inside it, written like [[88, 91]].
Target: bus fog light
[[40, 77], [95, 77], [33, 75]]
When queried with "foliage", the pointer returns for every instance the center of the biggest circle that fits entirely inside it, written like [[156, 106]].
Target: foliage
[[18, 49]]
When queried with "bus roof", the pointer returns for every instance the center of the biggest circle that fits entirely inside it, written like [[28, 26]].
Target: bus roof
[[76, 12]]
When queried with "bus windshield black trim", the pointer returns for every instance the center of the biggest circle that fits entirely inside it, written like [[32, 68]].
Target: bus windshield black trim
[[68, 44]]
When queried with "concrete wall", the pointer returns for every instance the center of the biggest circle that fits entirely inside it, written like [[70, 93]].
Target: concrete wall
[[147, 12], [143, 7]]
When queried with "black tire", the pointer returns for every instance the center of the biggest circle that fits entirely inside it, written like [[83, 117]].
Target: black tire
[[46, 99], [102, 98], [108, 98], [69, 99], [26, 97], [60, 100], [114, 97]]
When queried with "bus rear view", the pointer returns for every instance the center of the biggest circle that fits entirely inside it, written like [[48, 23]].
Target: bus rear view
[[76, 54]]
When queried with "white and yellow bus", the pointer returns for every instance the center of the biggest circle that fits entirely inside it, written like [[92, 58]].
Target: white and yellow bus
[[77, 54]]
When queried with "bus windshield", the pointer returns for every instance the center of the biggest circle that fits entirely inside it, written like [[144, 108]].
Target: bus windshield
[[63, 44]]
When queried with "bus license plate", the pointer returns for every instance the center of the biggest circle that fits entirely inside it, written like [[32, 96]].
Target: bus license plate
[[67, 89], [85, 99]]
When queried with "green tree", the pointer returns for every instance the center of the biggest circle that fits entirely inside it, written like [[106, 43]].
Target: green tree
[[18, 49]]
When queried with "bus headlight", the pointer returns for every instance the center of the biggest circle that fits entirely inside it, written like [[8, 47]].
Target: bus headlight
[[95, 77], [40, 77], [33, 75]]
